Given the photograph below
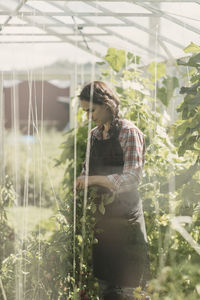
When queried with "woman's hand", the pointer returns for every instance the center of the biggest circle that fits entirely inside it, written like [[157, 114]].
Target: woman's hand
[[95, 180], [80, 181]]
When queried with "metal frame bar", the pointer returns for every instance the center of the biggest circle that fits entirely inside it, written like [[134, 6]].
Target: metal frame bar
[[111, 32], [162, 14], [59, 34], [66, 25], [90, 24], [162, 44], [67, 40], [42, 42], [49, 75], [154, 1], [148, 49], [83, 14], [19, 6], [140, 27]]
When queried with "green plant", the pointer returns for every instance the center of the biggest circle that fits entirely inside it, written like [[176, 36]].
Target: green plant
[[81, 237], [187, 133], [7, 235]]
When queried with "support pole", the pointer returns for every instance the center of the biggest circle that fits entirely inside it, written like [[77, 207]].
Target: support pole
[[15, 129], [71, 103], [2, 132], [154, 25]]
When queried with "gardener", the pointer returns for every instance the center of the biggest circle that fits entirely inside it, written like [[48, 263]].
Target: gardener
[[120, 259]]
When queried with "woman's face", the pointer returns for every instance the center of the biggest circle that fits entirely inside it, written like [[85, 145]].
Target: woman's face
[[100, 113]]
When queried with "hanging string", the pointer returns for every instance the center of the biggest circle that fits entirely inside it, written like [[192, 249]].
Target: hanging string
[[27, 173], [187, 68], [15, 162], [15, 121], [154, 131], [155, 81], [82, 74], [19, 286], [35, 119], [75, 167], [2, 156], [86, 174], [136, 81], [41, 165], [2, 125]]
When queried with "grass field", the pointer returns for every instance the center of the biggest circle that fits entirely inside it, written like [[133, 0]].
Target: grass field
[[25, 219]]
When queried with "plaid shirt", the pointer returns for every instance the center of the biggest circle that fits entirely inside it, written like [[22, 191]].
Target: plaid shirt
[[133, 145]]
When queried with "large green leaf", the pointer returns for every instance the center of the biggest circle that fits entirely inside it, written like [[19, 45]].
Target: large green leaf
[[162, 95], [116, 58], [100, 63], [192, 48], [132, 58], [193, 102], [157, 69], [165, 93], [194, 61], [107, 199], [171, 82], [102, 208], [190, 90]]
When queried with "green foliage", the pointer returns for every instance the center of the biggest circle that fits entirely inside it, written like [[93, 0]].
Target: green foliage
[[133, 58], [187, 130], [165, 93], [81, 279], [67, 155], [46, 266], [192, 48], [80, 244], [7, 235], [157, 70], [176, 283], [166, 84], [116, 58], [194, 60], [37, 267]]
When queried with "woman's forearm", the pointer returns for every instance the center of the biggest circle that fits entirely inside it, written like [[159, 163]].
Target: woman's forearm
[[102, 181]]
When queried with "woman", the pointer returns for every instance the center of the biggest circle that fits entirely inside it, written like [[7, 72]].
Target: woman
[[120, 259]]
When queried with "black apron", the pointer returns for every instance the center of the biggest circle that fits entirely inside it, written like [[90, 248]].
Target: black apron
[[121, 255]]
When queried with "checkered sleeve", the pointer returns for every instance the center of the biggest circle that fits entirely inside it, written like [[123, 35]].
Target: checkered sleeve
[[133, 145]]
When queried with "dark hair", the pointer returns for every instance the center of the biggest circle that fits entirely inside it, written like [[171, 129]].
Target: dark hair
[[100, 93]]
